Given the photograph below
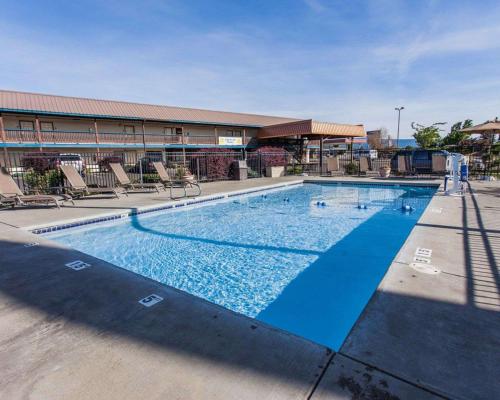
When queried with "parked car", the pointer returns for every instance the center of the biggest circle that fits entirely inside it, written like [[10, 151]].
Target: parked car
[[104, 162], [76, 160], [145, 165], [42, 162], [420, 160]]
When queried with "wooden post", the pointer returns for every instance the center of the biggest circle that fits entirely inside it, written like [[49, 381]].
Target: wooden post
[[321, 156], [4, 140], [144, 137], [96, 132], [183, 147], [244, 143], [38, 133]]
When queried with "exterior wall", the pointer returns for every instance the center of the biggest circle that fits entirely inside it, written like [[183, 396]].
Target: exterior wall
[[78, 133]]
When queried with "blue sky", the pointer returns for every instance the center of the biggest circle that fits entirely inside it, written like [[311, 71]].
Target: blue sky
[[340, 61]]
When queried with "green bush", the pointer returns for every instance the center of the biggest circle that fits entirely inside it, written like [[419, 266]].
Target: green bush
[[42, 182], [351, 169], [150, 178], [296, 170]]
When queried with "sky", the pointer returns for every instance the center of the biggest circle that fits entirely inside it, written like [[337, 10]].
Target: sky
[[338, 61]]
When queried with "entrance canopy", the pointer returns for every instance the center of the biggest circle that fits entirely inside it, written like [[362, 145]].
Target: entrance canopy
[[311, 129]]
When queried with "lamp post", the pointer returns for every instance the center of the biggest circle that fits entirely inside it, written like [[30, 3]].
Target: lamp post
[[398, 109]]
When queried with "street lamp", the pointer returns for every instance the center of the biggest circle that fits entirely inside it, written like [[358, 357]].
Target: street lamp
[[398, 109]]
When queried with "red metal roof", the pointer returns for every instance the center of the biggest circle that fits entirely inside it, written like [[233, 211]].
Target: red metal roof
[[62, 105], [309, 127]]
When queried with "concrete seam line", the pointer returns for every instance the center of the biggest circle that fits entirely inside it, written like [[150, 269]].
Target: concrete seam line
[[425, 389], [321, 375]]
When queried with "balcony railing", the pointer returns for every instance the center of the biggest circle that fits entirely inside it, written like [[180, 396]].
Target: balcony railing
[[77, 137]]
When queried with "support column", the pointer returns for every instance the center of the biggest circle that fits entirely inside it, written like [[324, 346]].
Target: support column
[[38, 133], [216, 133], [244, 143], [321, 156], [308, 155], [4, 141], [183, 147], [96, 132], [144, 137]]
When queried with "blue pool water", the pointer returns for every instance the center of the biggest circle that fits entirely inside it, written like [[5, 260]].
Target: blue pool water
[[277, 257]]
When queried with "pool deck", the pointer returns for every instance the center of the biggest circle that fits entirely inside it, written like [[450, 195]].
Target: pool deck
[[83, 334]]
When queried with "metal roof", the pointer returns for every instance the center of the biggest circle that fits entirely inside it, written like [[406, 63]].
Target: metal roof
[[309, 127], [22, 102]]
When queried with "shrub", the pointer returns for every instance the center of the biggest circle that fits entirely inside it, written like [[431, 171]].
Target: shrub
[[42, 182], [272, 156], [150, 178], [216, 161], [39, 162], [351, 169]]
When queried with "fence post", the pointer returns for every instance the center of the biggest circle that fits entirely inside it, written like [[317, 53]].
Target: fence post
[[198, 168]]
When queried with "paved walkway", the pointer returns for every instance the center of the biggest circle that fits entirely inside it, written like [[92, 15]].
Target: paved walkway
[[83, 334]]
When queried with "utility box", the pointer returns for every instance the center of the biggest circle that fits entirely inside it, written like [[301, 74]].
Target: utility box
[[240, 170]]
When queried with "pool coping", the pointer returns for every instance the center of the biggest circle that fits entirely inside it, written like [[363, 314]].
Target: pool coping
[[172, 204]]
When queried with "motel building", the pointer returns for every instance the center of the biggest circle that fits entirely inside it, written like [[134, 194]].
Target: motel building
[[31, 122]]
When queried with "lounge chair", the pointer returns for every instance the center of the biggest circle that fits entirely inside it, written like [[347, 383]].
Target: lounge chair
[[402, 166], [438, 163], [332, 166], [11, 195], [127, 184], [78, 187], [185, 182], [363, 165]]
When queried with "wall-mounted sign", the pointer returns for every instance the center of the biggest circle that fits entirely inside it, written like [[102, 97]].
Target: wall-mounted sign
[[230, 141]]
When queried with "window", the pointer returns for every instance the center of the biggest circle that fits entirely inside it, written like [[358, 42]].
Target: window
[[178, 131], [168, 131], [129, 129], [46, 126], [237, 133], [27, 125], [229, 133]]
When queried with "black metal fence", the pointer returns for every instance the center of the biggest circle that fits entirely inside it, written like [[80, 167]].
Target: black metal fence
[[39, 171]]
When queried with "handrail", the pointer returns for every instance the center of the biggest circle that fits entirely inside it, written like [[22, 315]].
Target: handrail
[[15, 135]]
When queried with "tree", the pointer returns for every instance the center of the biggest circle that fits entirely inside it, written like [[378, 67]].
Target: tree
[[427, 136], [456, 137]]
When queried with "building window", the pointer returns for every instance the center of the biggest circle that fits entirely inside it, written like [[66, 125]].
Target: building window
[[178, 131], [168, 131], [27, 125], [46, 126], [237, 133], [129, 129], [229, 133]]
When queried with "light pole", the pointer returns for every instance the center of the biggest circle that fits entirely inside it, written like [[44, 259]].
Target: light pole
[[398, 109]]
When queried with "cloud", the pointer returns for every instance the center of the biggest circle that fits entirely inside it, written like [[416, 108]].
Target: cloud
[[315, 5], [432, 44]]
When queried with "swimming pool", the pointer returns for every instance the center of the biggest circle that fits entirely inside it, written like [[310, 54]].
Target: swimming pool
[[305, 258]]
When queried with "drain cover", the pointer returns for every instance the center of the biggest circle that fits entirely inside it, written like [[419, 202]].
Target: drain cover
[[425, 268]]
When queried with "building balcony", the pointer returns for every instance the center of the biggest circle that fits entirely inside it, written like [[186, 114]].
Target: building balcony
[[47, 138]]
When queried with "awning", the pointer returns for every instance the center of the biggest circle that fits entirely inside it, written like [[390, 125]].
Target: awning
[[310, 128]]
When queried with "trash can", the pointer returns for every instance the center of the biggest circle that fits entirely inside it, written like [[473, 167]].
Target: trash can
[[240, 170]]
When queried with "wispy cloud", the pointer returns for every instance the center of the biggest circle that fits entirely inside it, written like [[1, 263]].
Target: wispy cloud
[[464, 41], [315, 5]]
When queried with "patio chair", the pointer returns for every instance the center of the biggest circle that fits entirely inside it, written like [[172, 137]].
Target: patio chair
[[402, 165], [78, 187], [11, 195], [185, 182], [363, 165], [438, 163], [332, 166], [127, 184]]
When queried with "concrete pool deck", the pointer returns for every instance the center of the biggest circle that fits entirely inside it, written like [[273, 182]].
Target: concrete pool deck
[[83, 334]]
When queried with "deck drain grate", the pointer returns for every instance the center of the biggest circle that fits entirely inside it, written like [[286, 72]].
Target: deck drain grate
[[150, 300], [423, 252], [77, 265], [33, 244]]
